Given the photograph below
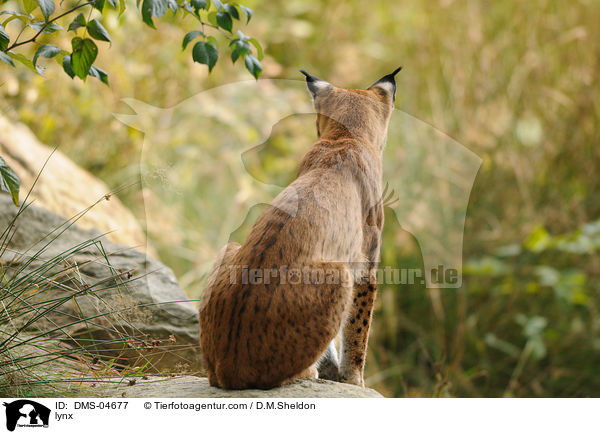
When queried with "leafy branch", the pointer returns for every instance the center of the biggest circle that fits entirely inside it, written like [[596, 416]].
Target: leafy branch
[[46, 24], [79, 61]]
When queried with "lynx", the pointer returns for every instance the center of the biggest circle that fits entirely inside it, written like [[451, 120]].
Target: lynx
[[273, 306]]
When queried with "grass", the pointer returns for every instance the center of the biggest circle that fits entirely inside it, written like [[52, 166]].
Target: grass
[[46, 350]]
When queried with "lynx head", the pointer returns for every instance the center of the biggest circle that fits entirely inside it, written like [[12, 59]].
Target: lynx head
[[361, 114]]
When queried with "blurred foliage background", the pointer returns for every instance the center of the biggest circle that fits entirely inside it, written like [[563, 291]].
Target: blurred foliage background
[[515, 82]]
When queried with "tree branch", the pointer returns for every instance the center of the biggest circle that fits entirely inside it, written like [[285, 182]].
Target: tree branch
[[32, 39]]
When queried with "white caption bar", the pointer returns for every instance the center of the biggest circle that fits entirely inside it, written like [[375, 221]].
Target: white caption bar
[[170, 415]]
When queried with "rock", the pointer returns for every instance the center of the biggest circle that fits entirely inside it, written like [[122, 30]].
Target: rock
[[196, 387], [64, 188], [136, 313], [30, 369]]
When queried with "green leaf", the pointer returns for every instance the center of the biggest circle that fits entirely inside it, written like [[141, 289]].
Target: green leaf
[[205, 53], [99, 74], [122, 7], [66, 63], [9, 181], [247, 11], [4, 38], [259, 50], [59, 57], [147, 13], [99, 5], [83, 56], [242, 36], [48, 51], [253, 65], [189, 37], [153, 8], [199, 4], [12, 12], [172, 4], [29, 5], [24, 60], [212, 18], [112, 3], [224, 21], [239, 48], [6, 59], [47, 7], [235, 54], [24, 18], [218, 4], [78, 22], [159, 8], [97, 31], [231, 9], [50, 28]]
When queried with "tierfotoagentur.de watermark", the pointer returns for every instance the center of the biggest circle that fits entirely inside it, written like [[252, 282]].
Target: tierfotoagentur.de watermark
[[293, 275]]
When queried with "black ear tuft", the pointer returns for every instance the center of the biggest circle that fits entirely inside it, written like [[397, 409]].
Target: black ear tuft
[[316, 85], [388, 83], [396, 71], [308, 76]]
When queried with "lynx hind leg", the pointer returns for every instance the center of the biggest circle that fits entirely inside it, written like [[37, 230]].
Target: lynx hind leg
[[328, 365], [224, 258], [319, 308]]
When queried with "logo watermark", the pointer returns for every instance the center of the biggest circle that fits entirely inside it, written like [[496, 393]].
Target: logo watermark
[[25, 413], [198, 171]]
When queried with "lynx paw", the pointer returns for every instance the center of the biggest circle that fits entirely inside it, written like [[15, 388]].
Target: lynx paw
[[353, 378], [329, 371]]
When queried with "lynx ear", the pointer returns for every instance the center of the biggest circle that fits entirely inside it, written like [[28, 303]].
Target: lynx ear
[[388, 83], [315, 85]]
